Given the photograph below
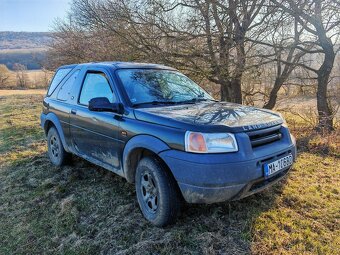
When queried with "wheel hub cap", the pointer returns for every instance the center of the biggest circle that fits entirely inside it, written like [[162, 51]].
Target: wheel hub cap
[[54, 147], [149, 192]]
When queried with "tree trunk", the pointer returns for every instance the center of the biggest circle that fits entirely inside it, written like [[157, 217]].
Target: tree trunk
[[324, 109], [273, 94], [236, 92], [224, 90], [231, 91]]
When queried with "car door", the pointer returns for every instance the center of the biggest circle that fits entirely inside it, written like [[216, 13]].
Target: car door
[[95, 134]]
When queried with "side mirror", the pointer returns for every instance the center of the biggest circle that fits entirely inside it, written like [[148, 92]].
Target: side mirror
[[102, 104]]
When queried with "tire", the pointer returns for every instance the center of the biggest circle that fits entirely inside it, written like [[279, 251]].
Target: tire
[[157, 192], [56, 152]]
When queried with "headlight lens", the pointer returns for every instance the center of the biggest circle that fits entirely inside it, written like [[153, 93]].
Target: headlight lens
[[210, 142]]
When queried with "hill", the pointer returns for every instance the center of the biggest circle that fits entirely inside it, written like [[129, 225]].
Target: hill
[[24, 40], [26, 48]]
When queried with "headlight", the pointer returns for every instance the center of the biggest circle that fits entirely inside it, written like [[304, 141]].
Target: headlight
[[210, 142]]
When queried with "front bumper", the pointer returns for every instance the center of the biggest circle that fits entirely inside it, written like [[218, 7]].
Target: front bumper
[[209, 195], [211, 178]]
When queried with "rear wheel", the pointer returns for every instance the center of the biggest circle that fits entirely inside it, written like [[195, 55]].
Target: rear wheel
[[56, 151], [157, 193]]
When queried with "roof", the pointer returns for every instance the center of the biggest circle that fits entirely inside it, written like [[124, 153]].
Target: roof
[[122, 65]]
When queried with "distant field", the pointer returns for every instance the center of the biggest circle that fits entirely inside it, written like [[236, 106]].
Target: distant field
[[83, 209], [32, 50], [305, 106], [9, 92]]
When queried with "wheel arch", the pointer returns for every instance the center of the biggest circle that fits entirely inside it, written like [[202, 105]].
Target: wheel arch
[[138, 147], [51, 120]]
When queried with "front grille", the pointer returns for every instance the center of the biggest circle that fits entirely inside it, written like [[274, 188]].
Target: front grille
[[264, 136]]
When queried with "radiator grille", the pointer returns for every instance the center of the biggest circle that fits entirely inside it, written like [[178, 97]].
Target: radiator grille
[[264, 136]]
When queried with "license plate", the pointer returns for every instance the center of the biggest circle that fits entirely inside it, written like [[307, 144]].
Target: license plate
[[278, 165]]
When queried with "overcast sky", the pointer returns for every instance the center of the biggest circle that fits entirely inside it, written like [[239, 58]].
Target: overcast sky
[[31, 15]]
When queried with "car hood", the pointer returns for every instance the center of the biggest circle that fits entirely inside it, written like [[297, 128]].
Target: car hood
[[209, 116]]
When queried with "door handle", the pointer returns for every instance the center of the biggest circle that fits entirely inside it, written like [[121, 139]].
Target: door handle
[[73, 111]]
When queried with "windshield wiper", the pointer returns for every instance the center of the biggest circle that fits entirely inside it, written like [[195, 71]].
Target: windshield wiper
[[195, 100], [191, 101], [154, 103]]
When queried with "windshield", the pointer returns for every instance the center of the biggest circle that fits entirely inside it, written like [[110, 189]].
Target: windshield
[[152, 86]]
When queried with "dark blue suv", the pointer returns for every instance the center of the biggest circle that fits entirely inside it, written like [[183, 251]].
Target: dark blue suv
[[158, 129]]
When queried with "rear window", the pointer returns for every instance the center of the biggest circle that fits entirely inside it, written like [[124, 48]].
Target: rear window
[[58, 77], [65, 89]]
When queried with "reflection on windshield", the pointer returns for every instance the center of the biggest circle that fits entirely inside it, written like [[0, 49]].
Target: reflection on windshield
[[160, 86]]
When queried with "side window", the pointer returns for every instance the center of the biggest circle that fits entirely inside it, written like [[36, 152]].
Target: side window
[[65, 89], [58, 77], [96, 85]]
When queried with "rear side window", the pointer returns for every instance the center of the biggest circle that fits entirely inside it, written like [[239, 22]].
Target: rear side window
[[58, 77], [95, 85], [65, 89]]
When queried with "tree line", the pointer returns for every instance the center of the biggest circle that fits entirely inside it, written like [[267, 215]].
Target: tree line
[[21, 78], [226, 43]]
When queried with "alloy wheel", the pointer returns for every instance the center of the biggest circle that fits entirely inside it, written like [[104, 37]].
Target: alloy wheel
[[149, 192], [54, 147]]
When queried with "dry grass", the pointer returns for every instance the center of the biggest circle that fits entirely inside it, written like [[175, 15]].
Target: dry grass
[[83, 209], [9, 92]]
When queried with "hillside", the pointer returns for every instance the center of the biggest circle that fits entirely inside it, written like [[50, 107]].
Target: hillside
[[24, 40], [26, 48]]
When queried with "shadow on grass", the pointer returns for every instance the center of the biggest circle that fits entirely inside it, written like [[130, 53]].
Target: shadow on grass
[[326, 144], [82, 208]]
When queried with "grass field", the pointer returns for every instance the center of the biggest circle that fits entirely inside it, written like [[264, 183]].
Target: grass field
[[83, 209]]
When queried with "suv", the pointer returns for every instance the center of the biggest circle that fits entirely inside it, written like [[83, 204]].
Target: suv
[[158, 129]]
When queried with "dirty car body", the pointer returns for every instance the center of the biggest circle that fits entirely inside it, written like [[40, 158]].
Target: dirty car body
[[215, 151]]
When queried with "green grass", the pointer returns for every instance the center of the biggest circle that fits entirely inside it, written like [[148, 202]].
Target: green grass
[[83, 209]]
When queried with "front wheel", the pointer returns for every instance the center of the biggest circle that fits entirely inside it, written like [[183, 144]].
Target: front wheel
[[157, 193]]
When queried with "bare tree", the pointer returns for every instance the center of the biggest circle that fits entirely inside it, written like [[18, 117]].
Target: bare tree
[[21, 75], [73, 43], [286, 56], [221, 42], [321, 19], [206, 38], [4, 76], [46, 78]]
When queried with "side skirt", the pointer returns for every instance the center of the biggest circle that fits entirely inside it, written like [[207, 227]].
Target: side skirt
[[101, 164]]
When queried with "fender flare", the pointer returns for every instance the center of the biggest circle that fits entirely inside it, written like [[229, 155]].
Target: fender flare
[[51, 117], [147, 142]]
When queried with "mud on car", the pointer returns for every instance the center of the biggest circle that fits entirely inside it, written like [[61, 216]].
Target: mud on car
[[158, 129]]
